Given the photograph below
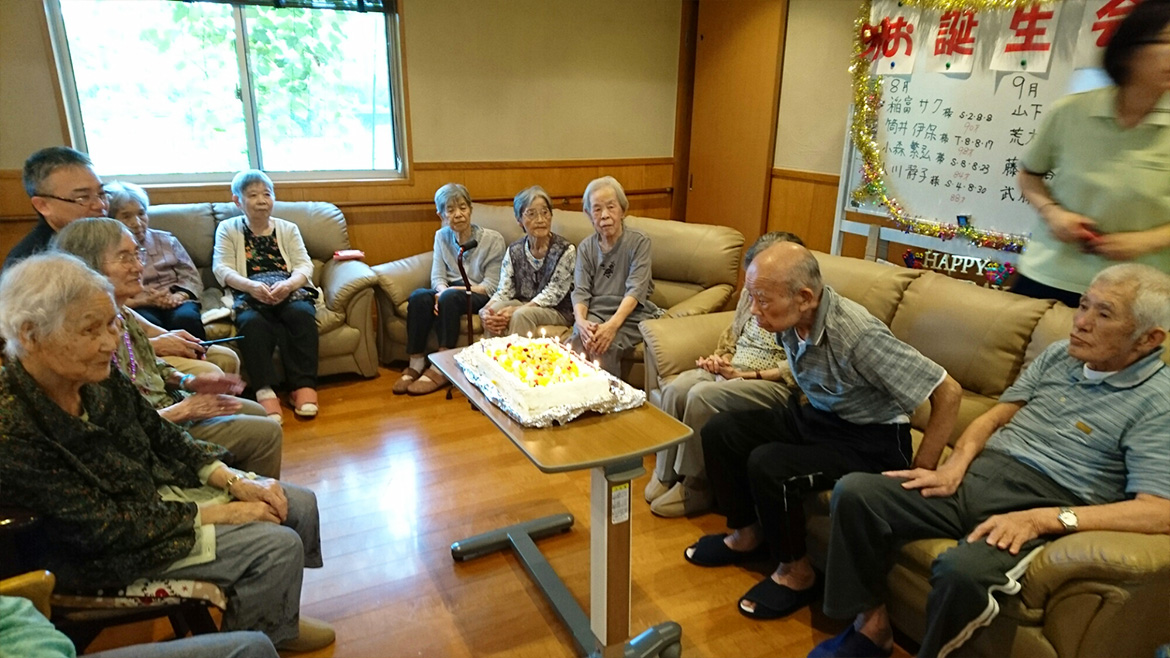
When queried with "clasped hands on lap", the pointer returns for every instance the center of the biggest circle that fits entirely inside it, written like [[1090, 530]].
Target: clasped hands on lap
[[596, 337], [271, 294], [719, 364], [260, 500]]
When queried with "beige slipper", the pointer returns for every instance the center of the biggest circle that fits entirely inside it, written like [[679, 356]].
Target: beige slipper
[[430, 381], [408, 376]]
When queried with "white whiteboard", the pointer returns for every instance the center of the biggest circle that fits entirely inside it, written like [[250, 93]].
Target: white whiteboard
[[952, 141]]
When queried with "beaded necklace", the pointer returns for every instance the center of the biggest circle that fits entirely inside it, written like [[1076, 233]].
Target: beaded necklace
[[129, 352]]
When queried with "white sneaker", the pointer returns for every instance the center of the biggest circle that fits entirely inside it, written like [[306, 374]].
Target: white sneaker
[[682, 500], [654, 488]]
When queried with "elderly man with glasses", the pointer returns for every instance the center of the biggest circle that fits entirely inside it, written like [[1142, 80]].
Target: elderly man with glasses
[[63, 187]]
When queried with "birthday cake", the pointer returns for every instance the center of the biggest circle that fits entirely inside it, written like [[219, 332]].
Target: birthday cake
[[534, 376]]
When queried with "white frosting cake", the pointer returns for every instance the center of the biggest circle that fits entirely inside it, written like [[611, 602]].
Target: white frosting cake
[[534, 375]]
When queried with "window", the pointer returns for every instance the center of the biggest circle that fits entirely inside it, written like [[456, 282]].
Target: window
[[190, 91]]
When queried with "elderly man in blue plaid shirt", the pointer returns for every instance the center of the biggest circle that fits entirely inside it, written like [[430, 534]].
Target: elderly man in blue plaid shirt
[[862, 384], [1080, 442]]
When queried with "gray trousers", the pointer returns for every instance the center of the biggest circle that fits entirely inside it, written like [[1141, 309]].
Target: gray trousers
[[872, 515], [527, 319], [240, 644], [254, 439], [694, 397], [260, 567]]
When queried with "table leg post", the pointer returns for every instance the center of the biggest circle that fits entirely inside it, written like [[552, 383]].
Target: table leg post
[[609, 550]]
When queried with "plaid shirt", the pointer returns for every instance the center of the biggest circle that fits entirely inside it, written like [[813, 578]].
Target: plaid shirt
[[851, 365]]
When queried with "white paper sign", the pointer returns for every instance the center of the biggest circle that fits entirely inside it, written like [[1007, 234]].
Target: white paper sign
[[897, 40], [1026, 39], [950, 46], [1097, 26]]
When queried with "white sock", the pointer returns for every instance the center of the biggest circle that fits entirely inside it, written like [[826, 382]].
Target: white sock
[[419, 363]]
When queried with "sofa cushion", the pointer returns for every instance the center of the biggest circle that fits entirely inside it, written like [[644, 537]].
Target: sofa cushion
[[979, 335], [1054, 325], [971, 406], [876, 286], [193, 224]]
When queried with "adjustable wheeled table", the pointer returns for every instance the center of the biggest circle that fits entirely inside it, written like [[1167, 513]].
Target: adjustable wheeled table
[[612, 446]]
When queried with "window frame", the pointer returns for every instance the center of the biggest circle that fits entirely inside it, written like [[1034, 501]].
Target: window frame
[[73, 115]]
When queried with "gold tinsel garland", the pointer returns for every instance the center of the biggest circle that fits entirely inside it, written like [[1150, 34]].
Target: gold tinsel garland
[[867, 100]]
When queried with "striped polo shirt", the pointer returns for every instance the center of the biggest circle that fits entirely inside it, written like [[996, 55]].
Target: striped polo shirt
[[1102, 439], [852, 366]]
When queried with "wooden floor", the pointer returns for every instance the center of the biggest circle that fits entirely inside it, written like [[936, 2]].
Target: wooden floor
[[399, 478]]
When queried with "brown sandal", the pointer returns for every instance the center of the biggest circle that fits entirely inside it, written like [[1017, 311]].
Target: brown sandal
[[430, 381], [408, 376]]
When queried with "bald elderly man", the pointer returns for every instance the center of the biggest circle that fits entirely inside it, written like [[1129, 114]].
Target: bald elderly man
[[861, 384]]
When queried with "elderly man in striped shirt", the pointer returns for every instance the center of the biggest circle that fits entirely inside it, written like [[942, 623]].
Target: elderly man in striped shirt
[[862, 384], [1080, 442]]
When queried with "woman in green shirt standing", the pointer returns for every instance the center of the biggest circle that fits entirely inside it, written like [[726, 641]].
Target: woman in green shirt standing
[[1098, 171]]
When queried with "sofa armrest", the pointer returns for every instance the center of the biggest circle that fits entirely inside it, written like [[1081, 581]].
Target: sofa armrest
[[673, 344], [342, 280], [708, 301], [1106, 557], [397, 279]]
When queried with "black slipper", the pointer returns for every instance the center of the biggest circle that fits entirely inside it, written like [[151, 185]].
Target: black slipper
[[774, 600], [710, 551]]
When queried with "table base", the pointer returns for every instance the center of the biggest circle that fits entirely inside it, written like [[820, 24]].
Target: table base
[[609, 570]]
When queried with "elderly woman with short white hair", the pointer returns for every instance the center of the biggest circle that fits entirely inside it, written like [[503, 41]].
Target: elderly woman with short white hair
[[171, 284], [441, 307], [536, 276], [122, 493], [612, 284]]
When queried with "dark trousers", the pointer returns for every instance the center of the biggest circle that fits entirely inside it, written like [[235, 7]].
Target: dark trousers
[[448, 324], [1032, 288], [185, 316], [873, 515], [293, 328], [761, 463]]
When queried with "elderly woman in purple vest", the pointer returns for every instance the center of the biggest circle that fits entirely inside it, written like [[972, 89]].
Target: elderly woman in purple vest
[[441, 307], [611, 283], [536, 276]]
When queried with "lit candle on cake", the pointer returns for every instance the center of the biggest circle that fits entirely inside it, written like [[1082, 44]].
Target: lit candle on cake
[[542, 332]]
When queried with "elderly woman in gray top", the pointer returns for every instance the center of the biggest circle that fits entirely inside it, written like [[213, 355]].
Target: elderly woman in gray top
[[536, 276], [444, 304], [612, 284], [171, 284]]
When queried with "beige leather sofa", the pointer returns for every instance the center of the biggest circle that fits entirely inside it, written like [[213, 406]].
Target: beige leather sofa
[[345, 311], [1087, 594], [695, 269]]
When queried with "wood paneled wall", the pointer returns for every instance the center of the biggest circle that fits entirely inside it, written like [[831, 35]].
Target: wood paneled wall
[[804, 203], [394, 219]]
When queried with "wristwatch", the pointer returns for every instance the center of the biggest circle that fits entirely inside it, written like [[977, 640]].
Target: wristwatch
[[1068, 519], [236, 477]]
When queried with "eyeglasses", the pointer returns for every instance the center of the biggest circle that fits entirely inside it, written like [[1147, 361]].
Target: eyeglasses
[[83, 200], [533, 213], [126, 258]]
